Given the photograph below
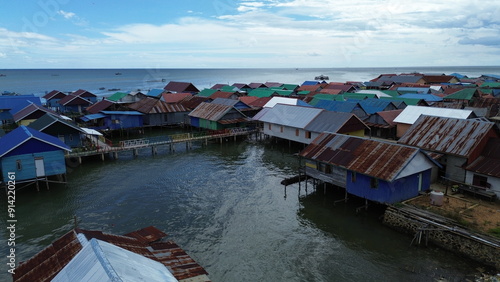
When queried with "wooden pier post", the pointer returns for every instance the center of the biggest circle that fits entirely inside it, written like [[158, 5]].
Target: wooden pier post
[[102, 157], [154, 150], [79, 160], [115, 155], [135, 152]]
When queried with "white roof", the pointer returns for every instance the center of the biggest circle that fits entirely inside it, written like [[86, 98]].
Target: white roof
[[376, 92], [411, 113], [280, 100], [102, 261], [289, 115], [91, 131]]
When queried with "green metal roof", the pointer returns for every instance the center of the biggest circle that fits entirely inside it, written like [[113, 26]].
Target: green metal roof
[[303, 92], [284, 92], [262, 93], [117, 96], [491, 84], [290, 86], [464, 94], [206, 92]]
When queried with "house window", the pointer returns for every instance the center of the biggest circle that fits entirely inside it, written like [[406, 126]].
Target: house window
[[308, 134], [353, 176], [480, 180], [269, 126], [19, 165], [297, 131], [281, 129], [71, 137], [374, 183]]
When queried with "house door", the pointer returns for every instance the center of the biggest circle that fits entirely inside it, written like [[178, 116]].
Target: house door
[[39, 167], [420, 182]]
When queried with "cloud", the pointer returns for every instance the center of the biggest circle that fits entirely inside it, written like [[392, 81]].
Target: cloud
[[66, 15], [493, 41]]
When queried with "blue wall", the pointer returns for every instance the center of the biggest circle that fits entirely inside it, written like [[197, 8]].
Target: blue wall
[[125, 121], [54, 163], [195, 121], [387, 192]]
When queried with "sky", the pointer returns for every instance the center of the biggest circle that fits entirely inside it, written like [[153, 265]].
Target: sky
[[248, 34]]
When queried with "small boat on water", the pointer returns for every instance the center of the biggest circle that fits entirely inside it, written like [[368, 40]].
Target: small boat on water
[[321, 77], [118, 73], [2, 74], [102, 88], [113, 89]]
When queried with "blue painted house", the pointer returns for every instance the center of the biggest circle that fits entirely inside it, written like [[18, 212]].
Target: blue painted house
[[378, 171], [114, 120], [31, 155], [64, 129], [9, 105], [53, 97]]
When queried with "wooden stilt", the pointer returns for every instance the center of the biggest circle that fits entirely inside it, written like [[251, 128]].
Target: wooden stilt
[[47, 182], [37, 185]]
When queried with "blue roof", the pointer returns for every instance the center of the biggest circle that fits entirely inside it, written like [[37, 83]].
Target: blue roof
[[93, 116], [302, 103], [425, 97], [16, 103], [127, 113], [22, 134], [155, 92], [372, 106], [310, 82], [337, 106]]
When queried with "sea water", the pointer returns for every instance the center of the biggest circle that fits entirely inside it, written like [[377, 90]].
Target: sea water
[[107, 81]]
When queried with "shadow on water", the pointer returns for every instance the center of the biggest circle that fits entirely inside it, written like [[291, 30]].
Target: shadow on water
[[387, 250]]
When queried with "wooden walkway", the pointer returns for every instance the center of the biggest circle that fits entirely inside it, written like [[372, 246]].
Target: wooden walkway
[[153, 142]]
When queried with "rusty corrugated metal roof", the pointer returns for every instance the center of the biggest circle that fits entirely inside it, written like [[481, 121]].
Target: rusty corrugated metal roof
[[100, 106], [150, 105], [489, 161], [46, 264], [447, 135], [210, 111], [382, 160]]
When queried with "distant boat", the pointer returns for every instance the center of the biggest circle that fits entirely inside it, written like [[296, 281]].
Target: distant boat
[[321, 77], [113, 89], [1, 74], [102, 88], [118, 73]]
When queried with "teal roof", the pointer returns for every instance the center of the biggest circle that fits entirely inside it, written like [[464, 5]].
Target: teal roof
[[464, 94], [207, 92], [117, 96], [262, 93]]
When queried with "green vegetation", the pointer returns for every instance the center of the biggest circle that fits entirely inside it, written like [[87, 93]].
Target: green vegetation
[[495, 232]]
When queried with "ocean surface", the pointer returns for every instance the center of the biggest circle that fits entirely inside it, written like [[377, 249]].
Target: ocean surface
[[41, 81]]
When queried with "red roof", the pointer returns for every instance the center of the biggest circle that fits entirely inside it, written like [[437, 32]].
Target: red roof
[[32, 111], [179, 87], [54, 94], [260, 102], [83, 93], [73, 100], [151, 105], [172, 98], [222, 94], [100, 106], [389, 116], [248, 99], [45, 265]]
